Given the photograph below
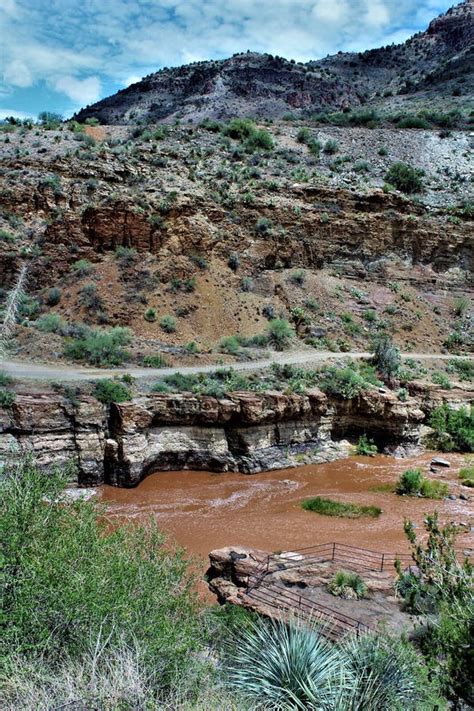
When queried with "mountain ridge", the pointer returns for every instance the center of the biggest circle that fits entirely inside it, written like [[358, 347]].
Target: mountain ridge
[[430, 65]]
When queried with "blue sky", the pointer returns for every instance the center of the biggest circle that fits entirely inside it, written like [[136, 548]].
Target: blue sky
[[60, 55]]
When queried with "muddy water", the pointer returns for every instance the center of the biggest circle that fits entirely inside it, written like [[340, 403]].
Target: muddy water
[[203, 511]]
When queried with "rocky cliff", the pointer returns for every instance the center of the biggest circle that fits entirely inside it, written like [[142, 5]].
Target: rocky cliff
[[247, 432]]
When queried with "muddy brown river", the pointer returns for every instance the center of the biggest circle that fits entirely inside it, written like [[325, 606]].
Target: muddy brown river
[[202, 510]]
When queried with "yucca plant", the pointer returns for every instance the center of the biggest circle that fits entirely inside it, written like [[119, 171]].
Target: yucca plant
[[289, 666], [388, 674], [347, 585]]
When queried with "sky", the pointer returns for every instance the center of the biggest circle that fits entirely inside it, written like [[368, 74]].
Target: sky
[[60, 55]]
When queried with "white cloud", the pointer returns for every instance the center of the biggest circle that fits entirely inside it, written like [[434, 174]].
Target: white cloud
[[82, 91], [76, 48], [330, 11], [17, 74], [132, 79], [5, 113]]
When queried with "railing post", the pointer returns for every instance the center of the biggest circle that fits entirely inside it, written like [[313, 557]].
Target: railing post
[[333, 550], [381, 566]]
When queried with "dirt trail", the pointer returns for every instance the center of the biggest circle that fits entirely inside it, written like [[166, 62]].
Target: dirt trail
[[45, 371]]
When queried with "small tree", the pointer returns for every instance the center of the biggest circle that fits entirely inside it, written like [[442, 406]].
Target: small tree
[[386, 357]]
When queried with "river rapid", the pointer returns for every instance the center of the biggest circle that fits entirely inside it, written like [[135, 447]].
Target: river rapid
[[203, 510]]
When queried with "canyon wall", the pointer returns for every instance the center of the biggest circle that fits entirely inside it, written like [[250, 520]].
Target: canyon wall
[[246, 432]]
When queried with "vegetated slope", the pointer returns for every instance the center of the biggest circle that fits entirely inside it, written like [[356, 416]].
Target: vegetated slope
[[434, 66], [187, 235]]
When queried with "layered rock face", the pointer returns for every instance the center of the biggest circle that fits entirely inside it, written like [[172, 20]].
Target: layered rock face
[[246, 432]]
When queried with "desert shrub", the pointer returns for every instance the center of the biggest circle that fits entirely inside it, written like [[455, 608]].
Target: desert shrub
[[347, 585], [126, 256], [442, 379], [263, 225], [90, 298], [150, 315], [5, 379], [279, 333], [53, 297], [366, 447], [82, 268], [108, 391], [386, 357], [463, 367], [298, 277], [192, 347], [155, 361], [7, 397], [461, 306], [50, 323], [246, 131], [405, 178], [28, 307], [247, 283], [331, 146], [233, 261], [168, 323], [229, 344], [453, 429], [413, 122], [100, 347], [343, 382], [442, 587], [328, 507], [71, 581]]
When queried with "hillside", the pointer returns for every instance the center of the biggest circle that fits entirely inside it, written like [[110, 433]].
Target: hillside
[[432, 68]]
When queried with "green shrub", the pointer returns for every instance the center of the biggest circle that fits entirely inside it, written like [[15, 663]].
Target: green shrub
[[53, 297], [150, 315], [366, 447], [168, 323], [229, 344], [279, 333], [466, 474], [126, 256], [463, 367], [50, 323], [298, 277], [331, 146], [90, 298], [5, 379], [252, 137], [28, 308], [413, 483], [247, 283], [386, 357], [405, 178], [453, 429], [70, 581], [343, 382], [441, 379], [192, 347], [347, 585], [327, 507], [82, 268], [101, 347], [233, 261], [155, 361], [7, 397], [108, 391]]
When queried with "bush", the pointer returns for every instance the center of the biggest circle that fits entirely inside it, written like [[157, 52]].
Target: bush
[[386, 357], [150, 315], [90, 298], [71, 581], [413, 483], [229, 344], [366, 447], [192, 347], [108, 391], [168, 323], [442, 380], [463, 367], [331, 146], [155, 361], [246, 131], [53, 297], [466, 474], [343, 382], [126, 256], [405, 178], [233, 261], [347, 585], [82, 268], [453, 429], [7, 397], [298, 277], [279, 333], [101, 347], [327, 507], [50, 323]]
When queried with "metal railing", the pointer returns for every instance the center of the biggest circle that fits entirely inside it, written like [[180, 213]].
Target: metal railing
[[326, 552]]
